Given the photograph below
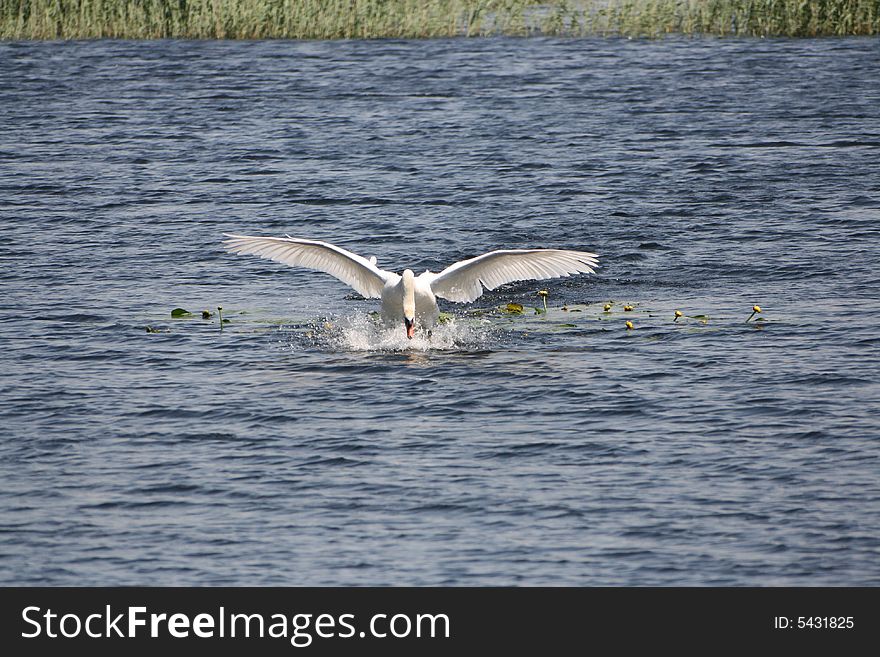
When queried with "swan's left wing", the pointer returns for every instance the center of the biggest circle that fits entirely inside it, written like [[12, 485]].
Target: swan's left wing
[[350, 268], [464, 281]]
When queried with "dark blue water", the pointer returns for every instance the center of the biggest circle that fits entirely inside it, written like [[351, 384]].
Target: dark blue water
[[298, 447]]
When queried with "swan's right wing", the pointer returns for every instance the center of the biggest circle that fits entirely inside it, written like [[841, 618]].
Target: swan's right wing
[[348, 267], [464, 281]]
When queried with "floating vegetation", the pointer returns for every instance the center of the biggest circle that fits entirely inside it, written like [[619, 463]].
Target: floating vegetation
[[755, 311], [371, 19], [628, 309], [182, 313], [703, 319], [464, 329]]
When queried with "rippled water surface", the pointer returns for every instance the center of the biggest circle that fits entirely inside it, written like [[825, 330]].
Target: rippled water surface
[[301, 445]]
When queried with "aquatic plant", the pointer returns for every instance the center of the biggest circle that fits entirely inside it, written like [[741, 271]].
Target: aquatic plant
[[366, 19], [543, 294]]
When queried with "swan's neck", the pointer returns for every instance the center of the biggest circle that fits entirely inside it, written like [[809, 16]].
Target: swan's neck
[[409, 294]]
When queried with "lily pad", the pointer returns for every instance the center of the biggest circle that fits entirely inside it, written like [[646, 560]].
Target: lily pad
[[513, 308], [180, 312]]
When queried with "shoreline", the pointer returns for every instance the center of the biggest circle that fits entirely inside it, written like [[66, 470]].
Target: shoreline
[[41, 20]]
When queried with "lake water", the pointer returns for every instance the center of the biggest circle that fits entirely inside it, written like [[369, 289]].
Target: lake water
[[299, 446]]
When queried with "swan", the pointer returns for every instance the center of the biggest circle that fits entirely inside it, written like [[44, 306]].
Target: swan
[[406, 296]]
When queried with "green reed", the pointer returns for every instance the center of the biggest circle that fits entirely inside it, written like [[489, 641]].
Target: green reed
[[367, 19]]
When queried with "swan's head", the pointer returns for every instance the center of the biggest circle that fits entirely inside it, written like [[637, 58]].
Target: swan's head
[[409, 303]]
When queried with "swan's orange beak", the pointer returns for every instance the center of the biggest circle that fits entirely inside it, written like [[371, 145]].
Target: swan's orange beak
[[410, 327]]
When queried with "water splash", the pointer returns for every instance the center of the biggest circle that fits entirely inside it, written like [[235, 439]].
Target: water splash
[[363, 332]]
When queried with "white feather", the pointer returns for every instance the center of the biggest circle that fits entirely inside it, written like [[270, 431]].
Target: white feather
[[464, 281], [350, 268]]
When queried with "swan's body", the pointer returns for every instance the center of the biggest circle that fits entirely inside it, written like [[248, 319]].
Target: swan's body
[[412, 298]]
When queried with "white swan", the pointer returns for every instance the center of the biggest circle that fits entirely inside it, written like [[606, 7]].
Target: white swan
[[414, 298]]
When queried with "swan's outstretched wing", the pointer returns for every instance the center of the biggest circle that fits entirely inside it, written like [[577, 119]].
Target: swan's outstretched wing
[[464, 280], [350, 268]]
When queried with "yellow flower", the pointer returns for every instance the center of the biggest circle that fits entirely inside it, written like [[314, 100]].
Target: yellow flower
[[756, 309], [629, 326], [607, 307], [543, 294], [677, 314], [627, 308]]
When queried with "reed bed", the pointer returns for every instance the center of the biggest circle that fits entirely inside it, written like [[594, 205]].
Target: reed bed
[[369, 19]]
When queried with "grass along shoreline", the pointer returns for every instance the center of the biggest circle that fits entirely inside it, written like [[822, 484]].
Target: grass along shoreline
[[368, 19]]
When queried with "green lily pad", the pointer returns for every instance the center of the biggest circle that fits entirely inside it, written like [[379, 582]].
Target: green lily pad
[[513, 308], [180, 312]]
